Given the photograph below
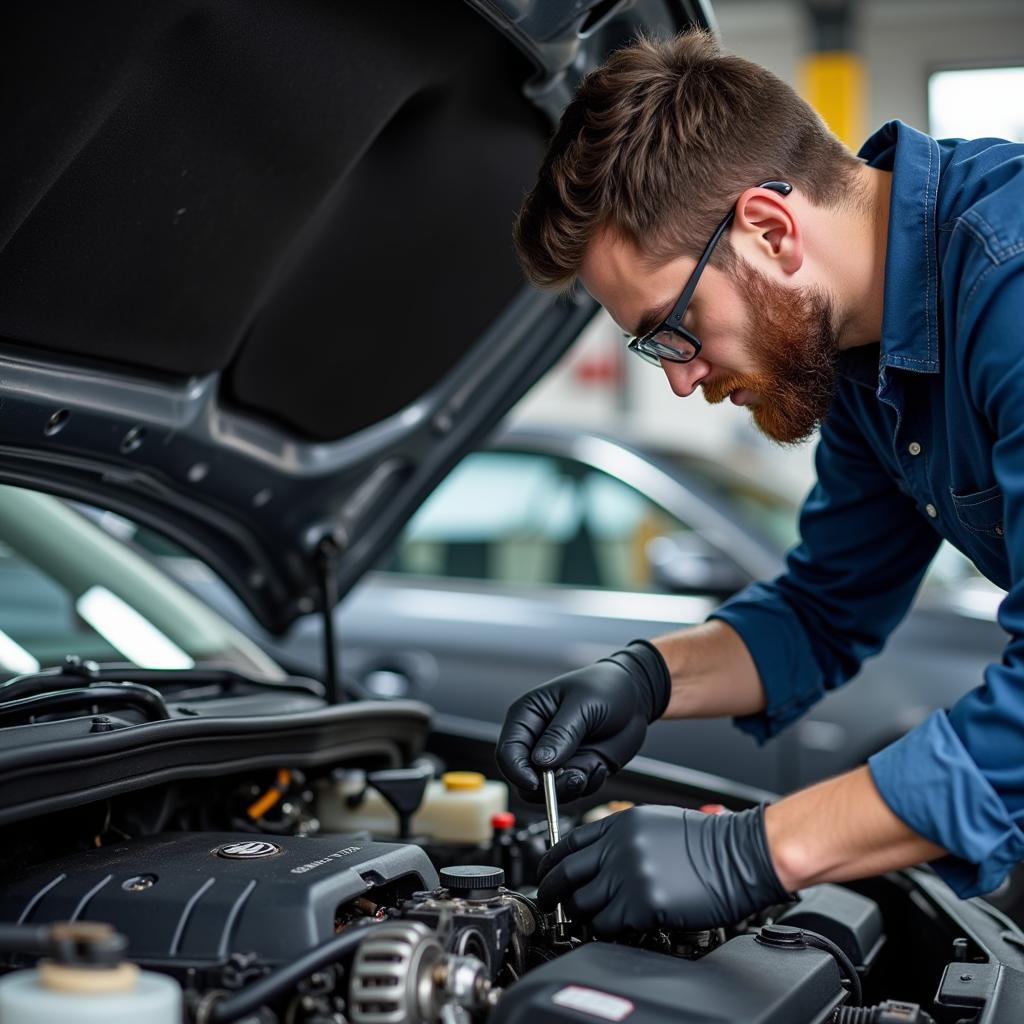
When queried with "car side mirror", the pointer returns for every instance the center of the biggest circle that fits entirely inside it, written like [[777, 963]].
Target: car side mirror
[[686, 563]]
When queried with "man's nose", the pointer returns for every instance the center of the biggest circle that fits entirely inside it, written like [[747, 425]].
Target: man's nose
[[683, 378]]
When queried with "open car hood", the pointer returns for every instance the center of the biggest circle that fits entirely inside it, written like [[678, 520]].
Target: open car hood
[[257, 288]]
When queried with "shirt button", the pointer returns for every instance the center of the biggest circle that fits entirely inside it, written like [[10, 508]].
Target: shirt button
[[914, 448], [931, 510]]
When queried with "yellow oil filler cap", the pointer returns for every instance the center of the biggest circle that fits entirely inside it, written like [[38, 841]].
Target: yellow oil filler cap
[[463, 780]]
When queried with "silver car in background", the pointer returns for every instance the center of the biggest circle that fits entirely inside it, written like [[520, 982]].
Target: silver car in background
[[551, 547]]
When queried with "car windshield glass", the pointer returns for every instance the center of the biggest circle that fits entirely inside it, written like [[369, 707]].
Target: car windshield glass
[[775, 516], [532, 518], [68, 587], [764, 511]]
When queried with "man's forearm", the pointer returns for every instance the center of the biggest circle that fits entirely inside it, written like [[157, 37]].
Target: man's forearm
[[831, 832], [834, 831], [712, 673], [838, 830]]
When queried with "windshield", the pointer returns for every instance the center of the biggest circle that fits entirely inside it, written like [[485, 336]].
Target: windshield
[[758, 508], [951, 575], [67, 587]]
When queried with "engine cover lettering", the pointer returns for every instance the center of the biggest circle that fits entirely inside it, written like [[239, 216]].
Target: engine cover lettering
[[337, 855], [593, 1002]]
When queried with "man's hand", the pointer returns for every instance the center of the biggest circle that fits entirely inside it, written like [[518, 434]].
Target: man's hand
[[662, 867], [589, 722]]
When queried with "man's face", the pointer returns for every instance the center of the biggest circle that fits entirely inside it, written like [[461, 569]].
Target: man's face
[[763, 344]]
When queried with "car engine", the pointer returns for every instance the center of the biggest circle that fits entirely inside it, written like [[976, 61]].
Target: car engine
[[215, 911], [284, 898]]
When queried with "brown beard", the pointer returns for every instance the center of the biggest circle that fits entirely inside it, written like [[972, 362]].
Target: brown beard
[[792, 334]]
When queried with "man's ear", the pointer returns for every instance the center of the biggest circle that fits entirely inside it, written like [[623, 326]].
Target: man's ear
[[766, 231]]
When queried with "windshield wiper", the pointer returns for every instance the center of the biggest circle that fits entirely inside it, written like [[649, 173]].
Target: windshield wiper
[[88, 698], [75, 671]]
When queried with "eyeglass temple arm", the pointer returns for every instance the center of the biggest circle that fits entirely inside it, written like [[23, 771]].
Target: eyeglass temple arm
[[782, 187]]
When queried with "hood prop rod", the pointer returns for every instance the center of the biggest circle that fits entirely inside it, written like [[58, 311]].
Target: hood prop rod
[[327, 554]]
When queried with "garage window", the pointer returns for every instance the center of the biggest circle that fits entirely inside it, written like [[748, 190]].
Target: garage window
[[974, 103]]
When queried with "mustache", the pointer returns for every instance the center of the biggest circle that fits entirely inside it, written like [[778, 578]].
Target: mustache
[[716, 391]]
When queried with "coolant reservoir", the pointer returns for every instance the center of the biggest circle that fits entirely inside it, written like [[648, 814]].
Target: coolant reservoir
[[89, 995], [457, 808]]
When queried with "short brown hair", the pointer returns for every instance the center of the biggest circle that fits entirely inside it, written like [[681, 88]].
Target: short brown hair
[[658, 142]]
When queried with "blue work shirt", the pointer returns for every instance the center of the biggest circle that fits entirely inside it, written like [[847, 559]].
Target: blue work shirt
[[924, 442]]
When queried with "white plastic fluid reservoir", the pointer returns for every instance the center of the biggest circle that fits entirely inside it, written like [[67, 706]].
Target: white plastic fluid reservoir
[[86, 995], [456, 808]]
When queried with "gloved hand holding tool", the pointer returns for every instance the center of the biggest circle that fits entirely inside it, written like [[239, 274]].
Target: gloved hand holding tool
[[662, 867], [588, 722]]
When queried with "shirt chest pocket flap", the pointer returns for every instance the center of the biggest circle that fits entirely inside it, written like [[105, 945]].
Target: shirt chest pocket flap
[[981, 511]]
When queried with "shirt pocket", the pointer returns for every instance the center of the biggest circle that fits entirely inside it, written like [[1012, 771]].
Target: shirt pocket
[[981, 511]]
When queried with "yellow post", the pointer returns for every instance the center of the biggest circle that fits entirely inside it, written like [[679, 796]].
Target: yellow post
[[832, 81]]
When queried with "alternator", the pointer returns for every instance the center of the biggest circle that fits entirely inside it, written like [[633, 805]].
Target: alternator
[[402, 975], [393, 976]]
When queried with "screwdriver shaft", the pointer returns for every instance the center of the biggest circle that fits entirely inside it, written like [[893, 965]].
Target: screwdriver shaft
[[551, 805]]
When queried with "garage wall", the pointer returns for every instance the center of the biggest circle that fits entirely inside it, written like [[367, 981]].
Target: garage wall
[[901, 41], [905, 42]]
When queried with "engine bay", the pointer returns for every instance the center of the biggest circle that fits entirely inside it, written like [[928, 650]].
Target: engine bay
[[380, 896]]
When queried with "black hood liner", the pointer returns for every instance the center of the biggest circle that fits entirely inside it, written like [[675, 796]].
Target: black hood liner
[[257, 285], [315, 198]]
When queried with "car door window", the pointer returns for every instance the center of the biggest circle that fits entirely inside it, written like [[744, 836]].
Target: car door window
[[533, 518]]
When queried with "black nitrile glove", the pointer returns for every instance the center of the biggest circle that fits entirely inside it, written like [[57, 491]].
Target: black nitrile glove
[[662, 867], [589, 722]]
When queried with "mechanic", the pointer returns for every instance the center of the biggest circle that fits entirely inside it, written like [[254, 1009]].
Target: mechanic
[[879, 298]]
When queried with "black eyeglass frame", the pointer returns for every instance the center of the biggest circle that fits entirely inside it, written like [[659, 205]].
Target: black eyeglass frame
[[653, 351]]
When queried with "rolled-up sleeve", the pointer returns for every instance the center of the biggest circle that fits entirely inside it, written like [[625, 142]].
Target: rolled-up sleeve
[[864, 549], [958, 778]]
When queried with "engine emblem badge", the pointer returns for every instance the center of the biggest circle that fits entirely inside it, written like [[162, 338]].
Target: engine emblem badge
[[247, 850]]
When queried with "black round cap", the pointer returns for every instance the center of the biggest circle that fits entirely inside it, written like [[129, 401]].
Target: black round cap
[[781, 935], [466, 878]]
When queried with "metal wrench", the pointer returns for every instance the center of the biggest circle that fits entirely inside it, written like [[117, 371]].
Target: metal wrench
[[551, 804]]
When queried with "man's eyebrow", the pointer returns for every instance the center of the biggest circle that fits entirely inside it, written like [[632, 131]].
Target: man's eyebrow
[[653, 316]]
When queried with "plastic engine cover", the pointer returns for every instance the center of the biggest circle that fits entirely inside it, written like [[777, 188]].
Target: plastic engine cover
[[740, 981], [194, 898]]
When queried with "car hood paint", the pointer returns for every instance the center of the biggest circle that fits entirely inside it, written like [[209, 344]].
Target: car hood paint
[[257, 288]]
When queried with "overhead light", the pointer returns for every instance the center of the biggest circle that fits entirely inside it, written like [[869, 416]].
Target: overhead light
[[130, 633], [14, 657]]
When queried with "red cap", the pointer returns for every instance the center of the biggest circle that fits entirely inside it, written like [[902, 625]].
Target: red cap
[[712, 808], [503, 819]]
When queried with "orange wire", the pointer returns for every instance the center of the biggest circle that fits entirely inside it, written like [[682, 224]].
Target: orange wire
[[260, 807]]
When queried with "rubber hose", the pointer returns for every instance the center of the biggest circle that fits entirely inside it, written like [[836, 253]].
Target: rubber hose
[[134, 695], [271, 985], [827, 945]]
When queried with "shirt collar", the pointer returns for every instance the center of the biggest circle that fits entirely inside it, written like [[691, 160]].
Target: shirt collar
[[910, 325], [860, 364]]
